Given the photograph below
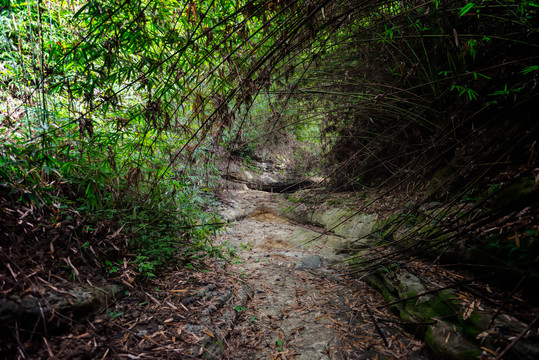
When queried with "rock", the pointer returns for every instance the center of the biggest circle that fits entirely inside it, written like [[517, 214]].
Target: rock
[[446, 343], [74, 303], [455, 337], [422, 309], [339, 221], [525, 350], [407, 283], [231, 185], [264, 176], [311, 262]]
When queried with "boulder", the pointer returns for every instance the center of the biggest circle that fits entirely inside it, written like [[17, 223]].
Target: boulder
[[56, 307]]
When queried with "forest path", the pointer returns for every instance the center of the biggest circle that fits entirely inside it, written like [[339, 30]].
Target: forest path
[[301, 306]]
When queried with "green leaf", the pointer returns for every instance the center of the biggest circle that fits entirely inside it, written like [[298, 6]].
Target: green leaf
[[240, 308], [466, 9], [530, 69], [114, 315], [4, 175]]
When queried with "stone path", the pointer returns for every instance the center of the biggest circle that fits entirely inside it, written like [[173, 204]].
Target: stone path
[[302, 307]]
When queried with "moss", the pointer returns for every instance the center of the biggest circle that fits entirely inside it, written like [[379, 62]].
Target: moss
[[475, 324], [427, 231], [377, 283], [214, 350], [513, 192], [448, 345], [469, 354], [447, 303], [387, 224], [469, 330], [441, 306]]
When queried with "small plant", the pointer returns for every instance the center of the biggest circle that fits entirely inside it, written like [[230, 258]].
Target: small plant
[[114, 314], [146, 266], [471, 196], [463, 89], [111, 267]]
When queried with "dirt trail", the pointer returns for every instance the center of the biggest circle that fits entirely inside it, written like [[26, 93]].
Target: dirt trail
[[302, 307], [280, 299]]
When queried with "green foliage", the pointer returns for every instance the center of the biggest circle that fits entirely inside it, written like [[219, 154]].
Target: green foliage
[[114, 314], [111, 267], [88, 123], [464, 90], [518, 249], [116, 108], [439, 72], [465, 9]]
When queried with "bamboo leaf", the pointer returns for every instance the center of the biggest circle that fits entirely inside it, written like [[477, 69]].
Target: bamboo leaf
[[465, 9]]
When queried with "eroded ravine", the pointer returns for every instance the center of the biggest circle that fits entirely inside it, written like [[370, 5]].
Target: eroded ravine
[[302, 307]]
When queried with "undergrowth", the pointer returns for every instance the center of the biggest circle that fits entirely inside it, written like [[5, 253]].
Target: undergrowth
[[156, 225]]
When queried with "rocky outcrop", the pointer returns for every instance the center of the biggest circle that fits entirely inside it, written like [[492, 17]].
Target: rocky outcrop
[[263, 176], [341, 222], [452, 329], [58, 305]]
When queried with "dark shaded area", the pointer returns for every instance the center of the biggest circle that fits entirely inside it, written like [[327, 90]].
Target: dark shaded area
[[286, 188]]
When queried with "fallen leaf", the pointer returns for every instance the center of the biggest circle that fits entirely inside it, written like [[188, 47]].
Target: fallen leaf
[[468, 312], [171, 305], [336, 322], [49, 349], [209, 333]]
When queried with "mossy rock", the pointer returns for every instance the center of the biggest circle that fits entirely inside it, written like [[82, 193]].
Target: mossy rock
[[445, 343], [438, 317], [430, 307], [377, 283], [475, 324], [513, 192], [420, 309], [389, 224]]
